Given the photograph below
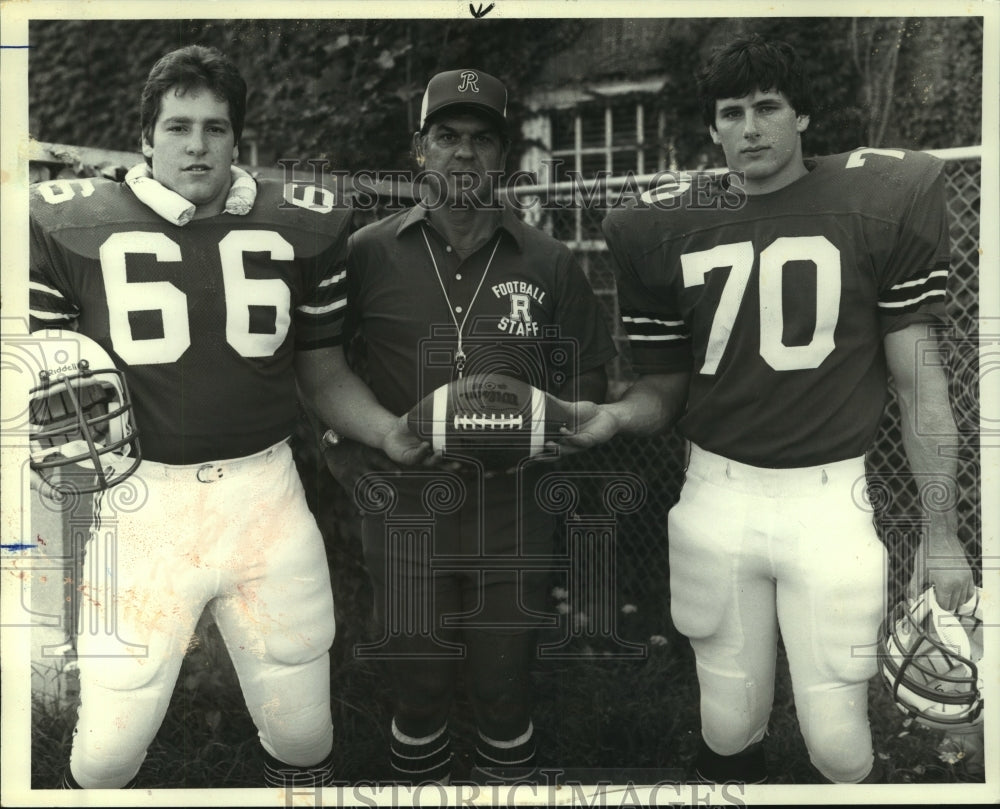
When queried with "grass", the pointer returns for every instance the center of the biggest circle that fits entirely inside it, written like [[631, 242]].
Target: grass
[[593, 713]]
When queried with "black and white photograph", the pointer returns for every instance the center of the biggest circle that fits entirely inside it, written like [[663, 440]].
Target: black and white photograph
[[499, 403]]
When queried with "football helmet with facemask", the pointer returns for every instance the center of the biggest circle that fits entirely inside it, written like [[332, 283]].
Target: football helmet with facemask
[[81, 417], [930, 658]]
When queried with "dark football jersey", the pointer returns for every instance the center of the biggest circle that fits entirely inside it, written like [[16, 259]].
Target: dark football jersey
[[203, 319], [778, 303]]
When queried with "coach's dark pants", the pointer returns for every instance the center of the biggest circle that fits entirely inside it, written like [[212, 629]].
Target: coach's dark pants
[[459, 565]]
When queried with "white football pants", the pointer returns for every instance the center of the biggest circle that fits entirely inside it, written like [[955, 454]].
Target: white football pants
[[756, 550], [234, 535]]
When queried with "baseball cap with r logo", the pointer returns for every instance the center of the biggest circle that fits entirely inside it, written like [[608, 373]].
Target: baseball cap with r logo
[[465, 87]]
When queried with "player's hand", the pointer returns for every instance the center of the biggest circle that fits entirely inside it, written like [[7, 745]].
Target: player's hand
[[942, 564], [595, 424], [37, 483], [404, 447]]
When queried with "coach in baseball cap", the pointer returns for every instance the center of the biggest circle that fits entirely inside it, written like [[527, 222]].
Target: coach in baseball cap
[[462, 146], [457, 285], [465, 88]]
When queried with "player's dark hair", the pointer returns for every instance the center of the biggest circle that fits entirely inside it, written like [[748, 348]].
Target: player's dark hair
[[194, 67], [753, 63]]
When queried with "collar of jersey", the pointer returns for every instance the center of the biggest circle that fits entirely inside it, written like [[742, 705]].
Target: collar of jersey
[[179, 211]]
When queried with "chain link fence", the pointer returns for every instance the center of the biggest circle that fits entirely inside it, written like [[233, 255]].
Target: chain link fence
[[899, 503]]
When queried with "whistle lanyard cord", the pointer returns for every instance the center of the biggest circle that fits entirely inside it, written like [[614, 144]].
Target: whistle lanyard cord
[[460, 353]]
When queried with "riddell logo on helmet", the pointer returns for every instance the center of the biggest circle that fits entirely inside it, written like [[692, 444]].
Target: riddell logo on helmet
[[62, 369]]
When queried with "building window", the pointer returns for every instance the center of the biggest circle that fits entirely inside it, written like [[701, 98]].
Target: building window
[[615, 135], [581, 135]]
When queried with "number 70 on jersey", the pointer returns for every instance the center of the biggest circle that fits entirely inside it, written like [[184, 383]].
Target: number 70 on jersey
[[738, 258]]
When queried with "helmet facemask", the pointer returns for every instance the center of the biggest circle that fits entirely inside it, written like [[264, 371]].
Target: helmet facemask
[[82, 422], [930, 658]]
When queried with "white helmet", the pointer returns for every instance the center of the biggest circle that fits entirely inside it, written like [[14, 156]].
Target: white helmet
[[929, 658], [81, 415]]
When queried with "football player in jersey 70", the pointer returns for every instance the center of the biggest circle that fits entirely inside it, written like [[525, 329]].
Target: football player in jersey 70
[[767, 331], [214, 295]]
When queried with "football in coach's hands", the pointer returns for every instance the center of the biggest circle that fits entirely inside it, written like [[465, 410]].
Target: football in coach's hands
[[490, 419]]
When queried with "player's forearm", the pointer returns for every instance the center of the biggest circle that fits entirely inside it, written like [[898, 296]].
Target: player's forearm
[[927, 426], [930, 441], [340, 399], [652, 405], [350, 408], [930, 447]]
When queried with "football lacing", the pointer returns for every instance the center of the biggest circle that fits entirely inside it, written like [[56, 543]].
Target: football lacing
[[491, 421]]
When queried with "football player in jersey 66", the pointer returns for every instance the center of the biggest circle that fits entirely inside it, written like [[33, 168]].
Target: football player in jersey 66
[[767, 332], [214, 295]]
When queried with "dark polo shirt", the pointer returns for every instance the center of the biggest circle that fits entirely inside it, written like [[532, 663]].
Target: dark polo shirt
[[535, 315]]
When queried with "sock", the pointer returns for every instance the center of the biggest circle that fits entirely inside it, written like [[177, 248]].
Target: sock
[[749, 766], [279, 774], [421, 760], [506, 761]]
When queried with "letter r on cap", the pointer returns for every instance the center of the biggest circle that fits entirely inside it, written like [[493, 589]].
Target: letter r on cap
[[470, 81]]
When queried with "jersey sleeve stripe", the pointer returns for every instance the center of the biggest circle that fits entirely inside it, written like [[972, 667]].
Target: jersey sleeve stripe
[[36, 286], [937, 274], [45, 304], [912, 293], [632, 319], [49, 304], [647, 329], [663, 338], [52, 317], [913, 302], [322, 310], [334, 279]]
